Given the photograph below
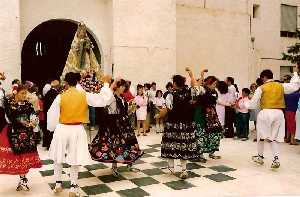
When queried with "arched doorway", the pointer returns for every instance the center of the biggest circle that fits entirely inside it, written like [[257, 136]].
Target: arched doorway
[[45, 50]]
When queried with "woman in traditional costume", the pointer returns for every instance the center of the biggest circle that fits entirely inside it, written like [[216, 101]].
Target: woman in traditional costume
[[179, 137], [116, 141], [18, 152], [210, 135]]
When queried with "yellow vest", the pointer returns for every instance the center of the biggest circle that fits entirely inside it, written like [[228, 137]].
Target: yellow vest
[[73, 107], [272, 96]]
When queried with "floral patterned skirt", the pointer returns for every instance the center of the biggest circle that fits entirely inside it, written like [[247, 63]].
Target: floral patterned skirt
[[116, 142], [15, 164], [179, 141], [210, 133]]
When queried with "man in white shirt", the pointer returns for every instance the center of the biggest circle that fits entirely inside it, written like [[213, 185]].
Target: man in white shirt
[[270, 120]]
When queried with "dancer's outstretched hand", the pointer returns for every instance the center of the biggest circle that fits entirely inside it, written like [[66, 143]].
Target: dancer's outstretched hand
[[2, 76], [106, 78]]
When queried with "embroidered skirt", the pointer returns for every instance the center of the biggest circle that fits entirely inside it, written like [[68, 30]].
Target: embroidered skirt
[[116, 142], [15, 164], [179, 141]]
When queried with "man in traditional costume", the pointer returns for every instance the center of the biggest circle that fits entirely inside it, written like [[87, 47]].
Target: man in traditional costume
[[66, 116], [270, 120]]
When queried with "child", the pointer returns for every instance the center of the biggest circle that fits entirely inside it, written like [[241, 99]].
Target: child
[[159, 103], [243, 115], [141, 112]]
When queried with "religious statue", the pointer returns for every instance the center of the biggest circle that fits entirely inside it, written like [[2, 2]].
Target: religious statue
[[81, 58]]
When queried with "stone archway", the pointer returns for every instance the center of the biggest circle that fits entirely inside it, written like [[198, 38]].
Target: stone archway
[[45, 50]]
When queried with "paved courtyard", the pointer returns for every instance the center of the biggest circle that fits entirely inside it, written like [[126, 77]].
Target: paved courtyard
[[233, 175]]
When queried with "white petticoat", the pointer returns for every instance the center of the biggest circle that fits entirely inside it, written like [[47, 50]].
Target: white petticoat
[[271, 125], [70, 145]]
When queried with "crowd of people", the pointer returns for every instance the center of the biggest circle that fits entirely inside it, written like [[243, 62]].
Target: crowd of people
[[193, 118]]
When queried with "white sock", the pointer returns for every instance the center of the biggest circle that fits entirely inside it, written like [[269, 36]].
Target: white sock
[[260, 147], [183, 164], [74, 174], [58, 173], [275, 149], [171, 163], [157, 127], [162, 127]]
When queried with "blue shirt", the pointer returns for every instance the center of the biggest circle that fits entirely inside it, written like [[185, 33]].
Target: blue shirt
[[291, 101]]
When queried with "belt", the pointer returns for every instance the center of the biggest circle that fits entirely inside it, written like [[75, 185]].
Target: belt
[[74, 123]]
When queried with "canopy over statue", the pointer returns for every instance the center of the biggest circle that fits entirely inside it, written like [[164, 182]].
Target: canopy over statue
[[81, 57]]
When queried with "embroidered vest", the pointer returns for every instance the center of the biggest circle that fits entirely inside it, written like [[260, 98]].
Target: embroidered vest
[[73, 107], [272, 96]]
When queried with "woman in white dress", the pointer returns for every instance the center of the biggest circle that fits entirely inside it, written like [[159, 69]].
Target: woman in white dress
[[141, 112], [224, 99]]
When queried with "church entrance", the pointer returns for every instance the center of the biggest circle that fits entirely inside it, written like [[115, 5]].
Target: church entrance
[[45, 51]]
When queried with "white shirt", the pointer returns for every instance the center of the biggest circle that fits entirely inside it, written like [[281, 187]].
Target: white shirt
[[102, 99], [1, 97], [46, 88], [232, 92], [289, 88], [159, 102]]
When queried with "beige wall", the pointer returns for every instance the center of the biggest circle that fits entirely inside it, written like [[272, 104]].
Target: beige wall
[[144, 40], [97, 15], [10, 40], [216, 39], [150, 40]]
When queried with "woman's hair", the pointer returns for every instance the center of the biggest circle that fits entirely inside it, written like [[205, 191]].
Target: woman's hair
[[246, 91], [222, 87], [210, 80], [127, 86], [169, 84], [21, 87], [179, 80], [259, 82], [236, 88], [157, 92], [120, 83], [138, 87]]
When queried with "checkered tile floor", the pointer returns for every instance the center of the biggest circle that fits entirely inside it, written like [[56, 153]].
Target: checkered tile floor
[[150, 178]]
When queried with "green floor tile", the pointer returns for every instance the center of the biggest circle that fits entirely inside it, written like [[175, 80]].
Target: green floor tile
[[111, 178], [139, 162], [219, 177], [160, 164], [144, 181], [47, 162], [48, 173], [191, 174], [150, 150], [136, 192], [222, 168], [96, 189], [96, 167], [152, 172], [146, 155], [65, 185], [85, 174], [155, 146], [193, 166], [65, 165], [179, 185]]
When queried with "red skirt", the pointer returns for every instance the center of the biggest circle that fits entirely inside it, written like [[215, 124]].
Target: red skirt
[[290, 118], [13, 164]]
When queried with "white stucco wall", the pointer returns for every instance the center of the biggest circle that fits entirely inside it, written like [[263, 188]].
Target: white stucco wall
[[214, 38], [144, 40], [10, 40], [96, 14]]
